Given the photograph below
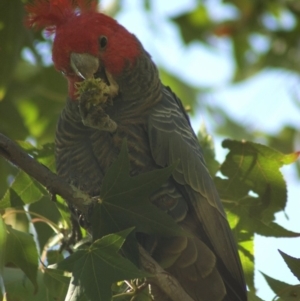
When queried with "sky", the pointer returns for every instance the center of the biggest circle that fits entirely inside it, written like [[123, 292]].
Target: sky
[[263, 102]]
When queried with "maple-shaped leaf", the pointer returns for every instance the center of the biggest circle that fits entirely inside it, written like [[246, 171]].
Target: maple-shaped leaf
[[293, 263], [254, 188], [20, 249], [96, 267], [283, 290], [24, 189], [56, 283], [124, 201], [252, 192]]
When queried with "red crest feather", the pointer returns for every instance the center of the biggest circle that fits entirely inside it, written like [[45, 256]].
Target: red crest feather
[[50, 14]]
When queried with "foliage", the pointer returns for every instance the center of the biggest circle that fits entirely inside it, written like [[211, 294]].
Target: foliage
[[249, 181]]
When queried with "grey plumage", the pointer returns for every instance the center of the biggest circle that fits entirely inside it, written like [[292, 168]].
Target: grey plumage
[[158, 132]]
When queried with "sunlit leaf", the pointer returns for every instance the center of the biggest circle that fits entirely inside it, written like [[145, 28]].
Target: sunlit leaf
[[24, 190], [251, 167], [245, 219], [290, 158], [246, 252]]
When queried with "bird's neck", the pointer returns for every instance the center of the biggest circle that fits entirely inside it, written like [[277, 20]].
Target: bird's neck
[[140, 84]]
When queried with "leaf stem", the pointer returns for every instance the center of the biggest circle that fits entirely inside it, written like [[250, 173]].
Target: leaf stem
[[41, 218]]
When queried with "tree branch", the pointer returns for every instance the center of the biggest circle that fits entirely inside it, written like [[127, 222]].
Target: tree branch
[[165, 281], [13, 153]]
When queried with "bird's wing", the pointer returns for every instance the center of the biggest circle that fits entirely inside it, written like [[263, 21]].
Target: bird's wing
[[171, 137]]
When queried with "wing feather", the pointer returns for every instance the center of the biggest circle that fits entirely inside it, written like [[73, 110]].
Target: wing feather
[[171, 138]]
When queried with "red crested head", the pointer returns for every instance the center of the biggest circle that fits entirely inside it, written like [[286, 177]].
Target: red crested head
[[81, 29]]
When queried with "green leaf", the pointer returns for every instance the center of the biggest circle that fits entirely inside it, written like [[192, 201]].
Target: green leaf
[[292, 263], [246, 252], [56, 283], [273, 230], [125, 201], [12, 35], [290, 294], [251, 167], [64, 211], [241, 46], [193, 24], [24, 190], [54, 256], [21, 251], [20, 289], [252, 297], [44, 154], [118, 184], [96, 267], [280, 288], [9, 112], [245, 219], [76, 292], [290, 158], [284, 140], [3, 236], [48, 210]]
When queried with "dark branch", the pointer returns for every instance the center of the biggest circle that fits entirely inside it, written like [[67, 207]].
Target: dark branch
[[54, 184], [165, 281]]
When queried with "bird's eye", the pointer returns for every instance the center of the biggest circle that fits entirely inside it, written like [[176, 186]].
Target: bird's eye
[[102, 42]]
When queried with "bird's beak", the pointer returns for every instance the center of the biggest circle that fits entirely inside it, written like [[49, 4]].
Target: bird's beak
[[84, 64]]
